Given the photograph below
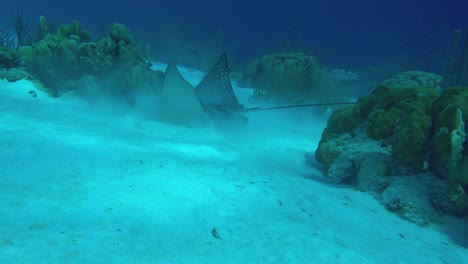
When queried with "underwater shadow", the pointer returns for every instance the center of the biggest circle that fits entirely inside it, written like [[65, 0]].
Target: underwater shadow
[[319, 169], [457, 230]]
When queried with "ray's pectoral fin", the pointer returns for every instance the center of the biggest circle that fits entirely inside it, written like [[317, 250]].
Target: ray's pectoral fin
[[215, 88], [217, 96], [178, 102], [212, 102]]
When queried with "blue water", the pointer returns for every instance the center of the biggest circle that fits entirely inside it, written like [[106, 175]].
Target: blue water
[[347, 34], [97, 181]]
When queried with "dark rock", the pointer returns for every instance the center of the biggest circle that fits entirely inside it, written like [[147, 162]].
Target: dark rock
[[410, 198], [15, 74]]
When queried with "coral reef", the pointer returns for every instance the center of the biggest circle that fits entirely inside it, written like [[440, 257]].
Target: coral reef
[[370, 166], [61, 59], [403, 129], [290, 77], [399, 115]]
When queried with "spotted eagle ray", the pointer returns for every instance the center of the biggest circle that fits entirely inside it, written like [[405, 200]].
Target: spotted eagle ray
[[215, 89], [178, 103], [212, 100]]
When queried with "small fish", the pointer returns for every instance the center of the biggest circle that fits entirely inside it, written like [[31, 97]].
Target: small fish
[[191, 49], [215, 233], [342, 75]]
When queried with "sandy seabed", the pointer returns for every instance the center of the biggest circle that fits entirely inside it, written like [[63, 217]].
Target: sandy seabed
[[88, 182]]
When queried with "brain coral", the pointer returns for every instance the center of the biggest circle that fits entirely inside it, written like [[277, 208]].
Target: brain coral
[[286, 76], [399, 115]]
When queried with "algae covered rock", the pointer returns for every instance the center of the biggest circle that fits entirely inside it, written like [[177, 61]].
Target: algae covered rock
[[410, 198], [399, 115], [418, 165]]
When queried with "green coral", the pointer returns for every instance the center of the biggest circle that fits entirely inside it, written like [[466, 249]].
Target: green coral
[[73, 31], [450, 153], [400, 115], [98, 57], [286, 76], [424, 129], [67, 50], [414, 79], [69, 54], [381, 123], [119, 32], [344, 120], [411, 136], [452, 97], [9, 58]]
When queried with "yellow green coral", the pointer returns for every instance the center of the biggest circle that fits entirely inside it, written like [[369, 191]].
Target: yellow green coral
[[400, 115]]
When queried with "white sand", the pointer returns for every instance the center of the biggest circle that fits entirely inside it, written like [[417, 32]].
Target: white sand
[[82, 185]]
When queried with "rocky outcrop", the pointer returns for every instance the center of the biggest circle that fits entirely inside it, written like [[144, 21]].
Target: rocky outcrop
[[406, 144]]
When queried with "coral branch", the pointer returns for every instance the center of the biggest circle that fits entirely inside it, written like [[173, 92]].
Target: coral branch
[[20, 27]]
